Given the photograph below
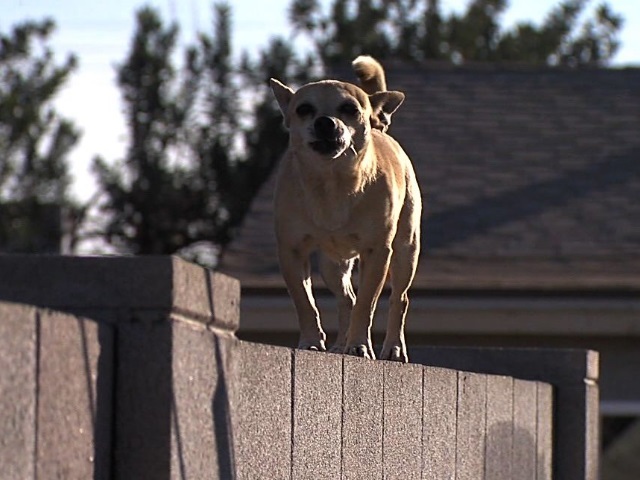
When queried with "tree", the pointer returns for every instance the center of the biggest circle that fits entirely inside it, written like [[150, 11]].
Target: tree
[[215, 143], [196, 157], [559, 41], [416, 31], [151, 205], [34, 140]]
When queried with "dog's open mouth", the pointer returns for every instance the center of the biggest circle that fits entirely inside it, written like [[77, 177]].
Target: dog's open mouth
[[326, 147]]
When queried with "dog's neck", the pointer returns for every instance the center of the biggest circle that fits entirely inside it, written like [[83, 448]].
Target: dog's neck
[[331, 187]]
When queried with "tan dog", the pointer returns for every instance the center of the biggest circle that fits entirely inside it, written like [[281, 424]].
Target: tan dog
[[347, 189]]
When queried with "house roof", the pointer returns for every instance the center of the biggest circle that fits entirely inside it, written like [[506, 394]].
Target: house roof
[[530, 180]]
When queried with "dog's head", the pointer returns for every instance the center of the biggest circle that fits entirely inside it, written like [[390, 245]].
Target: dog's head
[[331, 118]]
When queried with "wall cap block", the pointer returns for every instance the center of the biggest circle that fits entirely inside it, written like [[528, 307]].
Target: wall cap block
[[106, 283]]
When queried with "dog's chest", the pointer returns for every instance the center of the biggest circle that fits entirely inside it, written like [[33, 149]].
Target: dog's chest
[[334, 226], [328, 207]]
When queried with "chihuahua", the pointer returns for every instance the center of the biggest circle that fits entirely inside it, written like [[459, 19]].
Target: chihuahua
[[348, 190]]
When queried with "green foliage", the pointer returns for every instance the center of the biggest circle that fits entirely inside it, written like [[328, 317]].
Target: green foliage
[[415, 30], [34, 141], [197, 156], [151, 204]]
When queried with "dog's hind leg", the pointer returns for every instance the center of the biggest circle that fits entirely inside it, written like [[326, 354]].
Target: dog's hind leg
[[297, 275], [337, 278]]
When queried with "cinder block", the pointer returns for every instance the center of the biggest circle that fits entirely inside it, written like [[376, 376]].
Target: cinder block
[[555, 366], [317, 415], [63, 282], [439, 423], [206, 296], [470, 444], [402, 433], [143, 400], [74, 428], [499, 441], [525, 417], [17, 390], [261, 416], [362, 419], [201, 443], [81, 284], [544, 431]]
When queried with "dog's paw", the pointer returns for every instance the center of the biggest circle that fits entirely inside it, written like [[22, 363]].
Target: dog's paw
[[361, 350], [396, 353], [315, 346]]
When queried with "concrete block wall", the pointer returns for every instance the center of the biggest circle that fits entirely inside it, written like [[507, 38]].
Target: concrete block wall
[[120, 382], [574, 376]]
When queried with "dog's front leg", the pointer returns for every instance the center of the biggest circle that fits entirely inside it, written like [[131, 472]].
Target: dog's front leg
[[374, 265], [297, 275], [337, 278]]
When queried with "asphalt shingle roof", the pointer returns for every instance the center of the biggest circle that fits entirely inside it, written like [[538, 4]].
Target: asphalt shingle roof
[[530, 178]]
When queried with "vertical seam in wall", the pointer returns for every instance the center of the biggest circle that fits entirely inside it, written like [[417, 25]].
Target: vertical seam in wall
[[513, 425], [455, 461], [513, 422], [342, 422], [113, 433], [486, 433], [293, 386], [36, 418], [422, 439], [87, 373], [552, 417], [384, 401], [535, 456]]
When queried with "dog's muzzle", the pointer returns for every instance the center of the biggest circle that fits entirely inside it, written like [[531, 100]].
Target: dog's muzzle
[[328, 135]]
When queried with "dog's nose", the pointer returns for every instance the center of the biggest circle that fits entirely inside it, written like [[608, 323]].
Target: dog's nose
[[325, 127]]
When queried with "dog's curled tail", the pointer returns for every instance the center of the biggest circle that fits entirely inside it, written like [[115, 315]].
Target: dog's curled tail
[[370, 74]]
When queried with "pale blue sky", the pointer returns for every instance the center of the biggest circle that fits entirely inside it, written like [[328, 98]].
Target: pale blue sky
[[99, 34]]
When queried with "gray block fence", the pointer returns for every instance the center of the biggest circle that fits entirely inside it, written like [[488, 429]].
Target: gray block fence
[[119, 368]]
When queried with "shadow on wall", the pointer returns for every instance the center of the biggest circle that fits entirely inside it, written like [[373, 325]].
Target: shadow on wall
[[522, 452], [102, 405], [459, 223], [222, 429], [200, 397], [221, 415]]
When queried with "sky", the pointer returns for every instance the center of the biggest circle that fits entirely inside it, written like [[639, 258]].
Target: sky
[[99, 34]]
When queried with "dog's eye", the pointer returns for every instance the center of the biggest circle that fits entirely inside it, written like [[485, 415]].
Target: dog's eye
[[348, 108], [305, 109]]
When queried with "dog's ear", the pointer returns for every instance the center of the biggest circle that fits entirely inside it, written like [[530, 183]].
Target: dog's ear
[[283, 95], [383, 104], [387, 102]]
